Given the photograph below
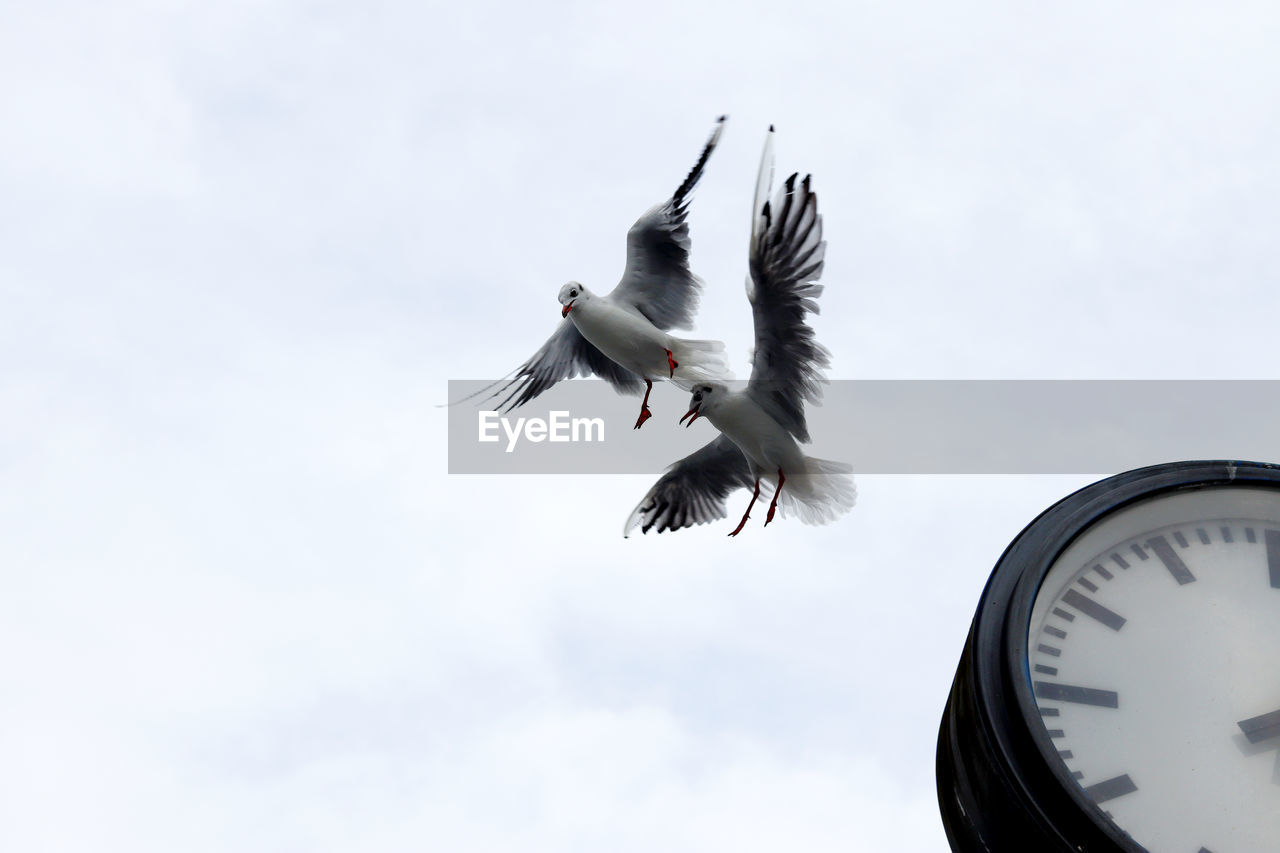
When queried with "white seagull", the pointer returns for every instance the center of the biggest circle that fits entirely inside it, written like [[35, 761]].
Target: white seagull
[[762, 424], [622, 336]]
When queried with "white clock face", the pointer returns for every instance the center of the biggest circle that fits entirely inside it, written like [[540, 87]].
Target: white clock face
[[1154, 656]]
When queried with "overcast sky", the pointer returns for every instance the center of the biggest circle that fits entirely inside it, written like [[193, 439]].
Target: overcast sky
[[243, 247]]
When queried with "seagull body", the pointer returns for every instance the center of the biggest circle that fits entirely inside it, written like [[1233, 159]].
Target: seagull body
[[817, 490], [622, 336], [628, 338], [762, 424], [766, 443]]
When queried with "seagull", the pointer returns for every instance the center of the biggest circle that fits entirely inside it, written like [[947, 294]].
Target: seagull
[[762, 424], [621, 336]]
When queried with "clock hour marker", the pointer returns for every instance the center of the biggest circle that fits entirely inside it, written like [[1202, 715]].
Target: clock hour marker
[[1273, 556], [1106, 574], [1091, 608], [1181, 540], [1049, 650], [1248, 534], [1204, 537], [1262, 727], [1171, 561], [1226, 535], [1063, 614], [1079, 695], [1137, 549], [1046, 670], [1088, 584], [1110, 789], [1055, 632], [1120, 561]]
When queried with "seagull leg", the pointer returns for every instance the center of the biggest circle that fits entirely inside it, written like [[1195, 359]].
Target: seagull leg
[[747, 514], [644, 405], [672, 364], [774, 503]]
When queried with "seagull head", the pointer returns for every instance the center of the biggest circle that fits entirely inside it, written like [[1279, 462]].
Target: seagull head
[[705, 400], [569, 294]]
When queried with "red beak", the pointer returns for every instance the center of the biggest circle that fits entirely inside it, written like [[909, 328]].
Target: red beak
[[694, 412], [565, 312]]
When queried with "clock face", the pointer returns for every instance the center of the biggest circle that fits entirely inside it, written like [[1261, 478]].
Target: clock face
[[1153, 652]]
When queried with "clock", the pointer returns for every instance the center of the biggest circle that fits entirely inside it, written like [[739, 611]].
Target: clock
[[1119, 689]]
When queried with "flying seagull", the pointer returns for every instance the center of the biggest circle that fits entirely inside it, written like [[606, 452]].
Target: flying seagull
[[762, 424], [621, 336]]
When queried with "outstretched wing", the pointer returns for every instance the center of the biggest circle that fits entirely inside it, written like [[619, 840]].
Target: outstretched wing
[[787, 252], [657, 281], [566, 354], [693, 490]]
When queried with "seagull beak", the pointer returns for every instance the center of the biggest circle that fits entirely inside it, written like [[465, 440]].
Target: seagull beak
[[565, 312], [694, 412]]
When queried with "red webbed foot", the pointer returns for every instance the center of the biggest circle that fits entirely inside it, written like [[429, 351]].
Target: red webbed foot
[[773, 504]]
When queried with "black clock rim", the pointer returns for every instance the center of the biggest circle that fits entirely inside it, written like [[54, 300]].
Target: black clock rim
[[996, 787]]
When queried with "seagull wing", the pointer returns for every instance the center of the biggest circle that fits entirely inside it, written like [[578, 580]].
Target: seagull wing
[[786, 260], [657, 281], [566, 354], [693, 490]]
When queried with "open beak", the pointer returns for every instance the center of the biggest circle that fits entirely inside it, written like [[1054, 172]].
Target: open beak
[[694, 412], [565, 312]]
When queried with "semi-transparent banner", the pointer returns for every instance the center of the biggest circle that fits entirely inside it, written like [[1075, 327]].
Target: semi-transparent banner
[[887, 426]]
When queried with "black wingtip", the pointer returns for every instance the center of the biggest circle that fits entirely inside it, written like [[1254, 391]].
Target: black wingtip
[[722, 119], [771, 128], [691, 180]]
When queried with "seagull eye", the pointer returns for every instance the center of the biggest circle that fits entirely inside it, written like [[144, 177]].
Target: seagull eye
[[573, 293]]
